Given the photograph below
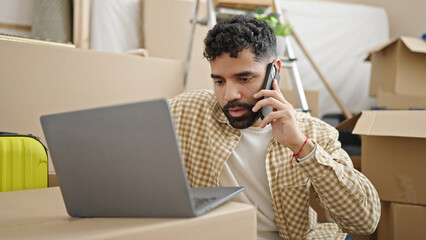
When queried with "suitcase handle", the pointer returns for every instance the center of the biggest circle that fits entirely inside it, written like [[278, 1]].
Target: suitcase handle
[[8, 133]]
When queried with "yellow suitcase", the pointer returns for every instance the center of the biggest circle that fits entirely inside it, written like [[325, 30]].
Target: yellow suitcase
[[23, 162]]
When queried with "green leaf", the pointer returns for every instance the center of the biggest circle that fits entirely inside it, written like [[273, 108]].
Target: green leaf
[[280, 29]]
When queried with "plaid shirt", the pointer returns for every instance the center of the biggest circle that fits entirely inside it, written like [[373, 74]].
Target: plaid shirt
[[207, 140]]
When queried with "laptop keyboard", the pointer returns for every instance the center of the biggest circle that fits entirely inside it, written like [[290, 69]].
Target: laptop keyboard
[[199, 202]]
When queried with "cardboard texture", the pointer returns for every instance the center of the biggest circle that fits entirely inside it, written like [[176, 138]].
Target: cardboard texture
[[53, 180], [401, 222], [393, 150], [356, 160], [41, 214], [312, 97], [398, 67], [349, 124], [41, 79], [158, 35], [400, 102]]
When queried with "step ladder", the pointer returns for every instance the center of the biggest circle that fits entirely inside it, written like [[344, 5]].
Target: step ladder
[[288, 59]]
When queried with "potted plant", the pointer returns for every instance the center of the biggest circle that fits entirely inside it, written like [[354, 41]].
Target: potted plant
[[281, 30]]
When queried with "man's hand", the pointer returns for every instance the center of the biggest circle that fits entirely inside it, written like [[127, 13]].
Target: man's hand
[[283, 120]]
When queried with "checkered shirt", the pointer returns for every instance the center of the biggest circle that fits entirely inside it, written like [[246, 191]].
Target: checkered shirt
[[207, 140]]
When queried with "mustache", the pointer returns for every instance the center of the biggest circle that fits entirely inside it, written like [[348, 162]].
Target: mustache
[[236, 103]]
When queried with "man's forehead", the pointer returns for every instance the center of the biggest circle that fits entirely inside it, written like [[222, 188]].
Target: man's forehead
[[244, 56], [246, 52]]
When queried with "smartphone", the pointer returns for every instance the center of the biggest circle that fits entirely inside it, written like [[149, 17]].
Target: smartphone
[[271, 74]]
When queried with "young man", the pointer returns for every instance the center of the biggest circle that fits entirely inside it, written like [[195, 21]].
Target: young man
[[278, 159]]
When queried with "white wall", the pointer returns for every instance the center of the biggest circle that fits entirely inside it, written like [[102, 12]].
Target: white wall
[[406, 17]]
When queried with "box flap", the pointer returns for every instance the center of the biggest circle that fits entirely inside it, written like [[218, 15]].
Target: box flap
[[349, 123], [380, 47], [392, 123], [414, 44]]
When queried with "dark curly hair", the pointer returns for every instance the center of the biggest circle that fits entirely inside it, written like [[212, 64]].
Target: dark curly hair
[[236, 33]]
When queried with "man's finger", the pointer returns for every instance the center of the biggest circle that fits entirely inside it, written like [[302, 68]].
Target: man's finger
[[276, 104]]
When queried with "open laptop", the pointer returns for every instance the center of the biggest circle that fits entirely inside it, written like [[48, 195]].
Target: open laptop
[[125, 161]]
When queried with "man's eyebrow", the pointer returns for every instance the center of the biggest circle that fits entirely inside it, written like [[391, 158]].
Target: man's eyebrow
[[245, 73], [215, 76], [240, 74]]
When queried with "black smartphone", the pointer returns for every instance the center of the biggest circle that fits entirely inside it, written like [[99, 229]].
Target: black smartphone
[[271, 74]]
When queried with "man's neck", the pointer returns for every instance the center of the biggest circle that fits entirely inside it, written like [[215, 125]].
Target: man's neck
[[257, 123]]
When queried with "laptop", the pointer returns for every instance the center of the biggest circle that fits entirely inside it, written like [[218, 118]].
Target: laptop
[[125, 161]]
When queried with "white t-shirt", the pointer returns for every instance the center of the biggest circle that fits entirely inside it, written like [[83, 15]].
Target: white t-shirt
[[246, 167]]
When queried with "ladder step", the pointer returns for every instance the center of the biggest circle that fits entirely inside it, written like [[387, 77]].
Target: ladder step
[[227, 12], [286, 64], [287, 59], [203, 21], [301, 110]]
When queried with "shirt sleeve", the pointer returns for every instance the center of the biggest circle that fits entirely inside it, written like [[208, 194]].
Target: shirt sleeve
[[344, 192], [312, 153]]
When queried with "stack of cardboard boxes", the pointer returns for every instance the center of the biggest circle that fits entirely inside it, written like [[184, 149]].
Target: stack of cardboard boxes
[[393, 159], [394, 141]]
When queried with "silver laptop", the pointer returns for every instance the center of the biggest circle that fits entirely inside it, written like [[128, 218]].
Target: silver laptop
[[125, 161]]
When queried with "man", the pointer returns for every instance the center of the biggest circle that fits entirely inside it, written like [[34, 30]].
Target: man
[[225, 143]]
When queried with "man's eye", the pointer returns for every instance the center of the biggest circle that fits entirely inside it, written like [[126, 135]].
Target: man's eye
[[246, 79], [218, 82]]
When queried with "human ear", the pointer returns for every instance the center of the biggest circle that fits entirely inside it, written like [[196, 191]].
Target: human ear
[[277, 63]]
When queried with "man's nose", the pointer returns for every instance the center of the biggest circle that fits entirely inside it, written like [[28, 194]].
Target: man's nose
[[232, 92]]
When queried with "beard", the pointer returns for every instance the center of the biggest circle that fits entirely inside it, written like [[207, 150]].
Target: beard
[[242, 122]]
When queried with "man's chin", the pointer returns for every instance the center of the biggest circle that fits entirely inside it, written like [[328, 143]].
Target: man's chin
[[243, 122], [248, 117]]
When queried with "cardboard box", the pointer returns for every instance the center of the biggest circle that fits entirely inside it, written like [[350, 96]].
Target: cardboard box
[[363, 237], [356, 160], [398, 67], [393, 153], [53, 180], [312, 97], [242, 4], [400, 102], [401, 222], [41, 214], [38, 79]]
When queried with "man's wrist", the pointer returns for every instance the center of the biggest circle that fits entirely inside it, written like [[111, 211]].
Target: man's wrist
[[303, 148], [312, 153]]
